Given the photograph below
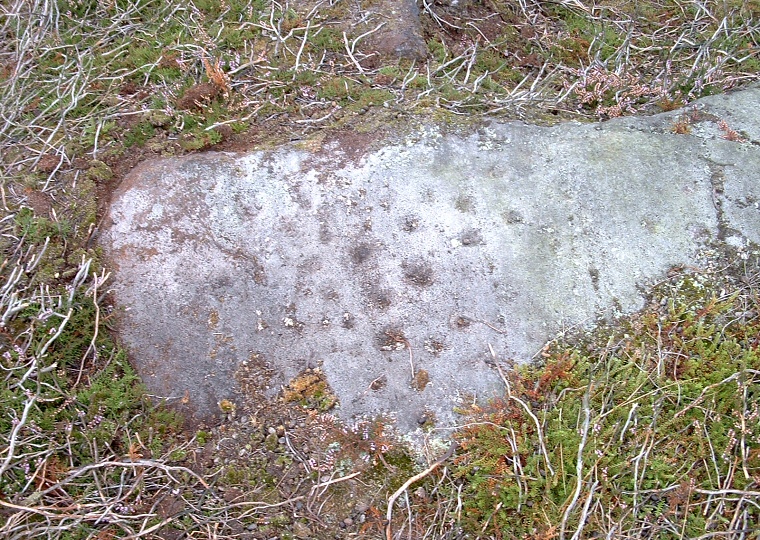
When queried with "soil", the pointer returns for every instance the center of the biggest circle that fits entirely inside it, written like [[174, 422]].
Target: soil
[[196, 96], [288, 455]]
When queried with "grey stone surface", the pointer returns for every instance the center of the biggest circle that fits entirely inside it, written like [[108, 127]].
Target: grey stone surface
[[401, 35], [433, 249]]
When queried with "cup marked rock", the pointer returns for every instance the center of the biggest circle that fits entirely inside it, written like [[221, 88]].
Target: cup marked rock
[[420, 255]]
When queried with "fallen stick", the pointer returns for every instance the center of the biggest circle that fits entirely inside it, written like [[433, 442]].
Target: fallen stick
[[412, 480]]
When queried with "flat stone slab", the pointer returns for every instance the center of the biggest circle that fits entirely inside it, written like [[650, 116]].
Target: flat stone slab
[[398, 270]]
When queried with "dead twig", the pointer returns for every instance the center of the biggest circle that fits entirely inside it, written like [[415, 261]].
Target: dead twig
[[510, 395], [409, 482]]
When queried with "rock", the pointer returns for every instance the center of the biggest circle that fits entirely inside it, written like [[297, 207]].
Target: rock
[[492, 238], [401, 34]]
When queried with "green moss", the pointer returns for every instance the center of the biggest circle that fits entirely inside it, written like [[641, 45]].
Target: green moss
[[199, 139], [337, 89], [143, 55], [490, 60], [159, 118], [99, 171], [371, 97], [36, 229], [673, 388], [252, 473], [437, 50], [78, 8], [279, 520], [105, 131], [327, 39], [114, 391], [271, 442], [390, 71], [139, 134]]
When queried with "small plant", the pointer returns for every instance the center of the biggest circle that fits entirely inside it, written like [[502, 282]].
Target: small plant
[[139, 134], [730, 134], [682, 127], [311, 391], [199, 139], [217, 76], [610, 94]]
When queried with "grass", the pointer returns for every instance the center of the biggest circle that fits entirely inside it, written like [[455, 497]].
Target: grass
[[649, 427], [82, 71]]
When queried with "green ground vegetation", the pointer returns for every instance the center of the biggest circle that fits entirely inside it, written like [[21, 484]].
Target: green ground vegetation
[[649, 428]]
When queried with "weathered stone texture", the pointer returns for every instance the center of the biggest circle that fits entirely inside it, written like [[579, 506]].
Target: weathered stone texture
[[429, 251]]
